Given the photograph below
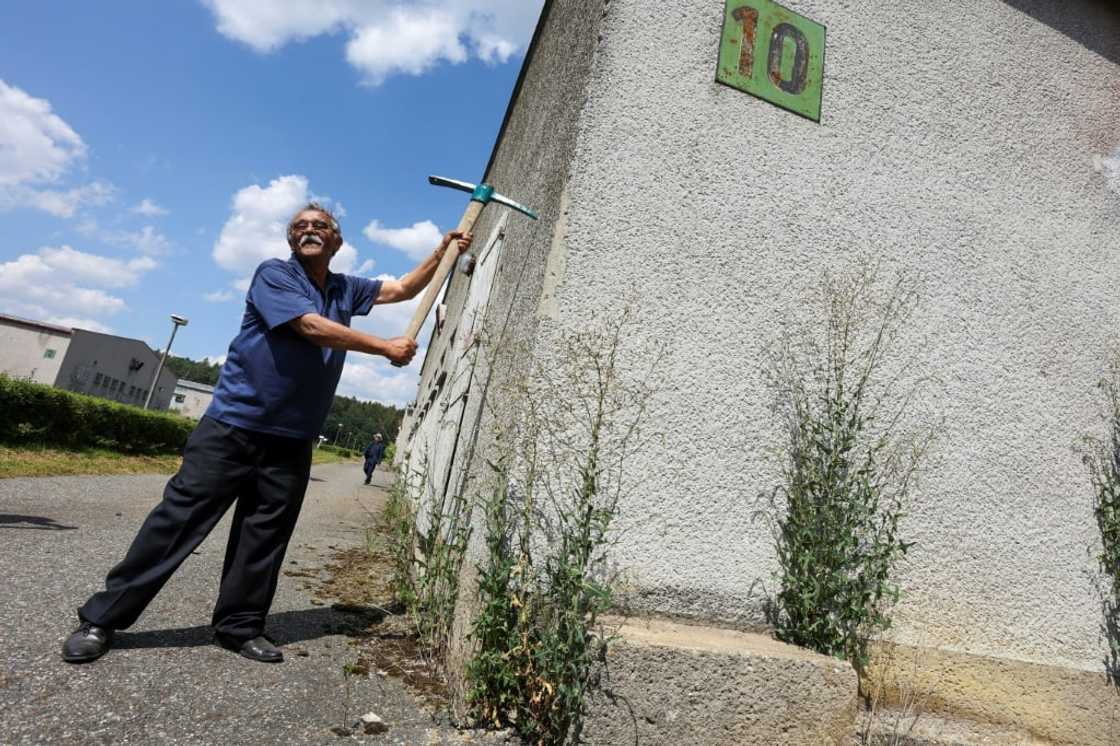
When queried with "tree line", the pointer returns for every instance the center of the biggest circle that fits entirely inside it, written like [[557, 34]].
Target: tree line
[[360, 420]]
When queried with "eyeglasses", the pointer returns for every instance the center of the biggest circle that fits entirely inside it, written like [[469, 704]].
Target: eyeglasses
[[319, 225]]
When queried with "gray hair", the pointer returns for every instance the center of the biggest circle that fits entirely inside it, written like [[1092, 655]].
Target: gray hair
[[317, 208]]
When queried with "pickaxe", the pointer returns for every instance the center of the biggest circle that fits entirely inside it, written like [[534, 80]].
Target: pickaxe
[[481, 195]]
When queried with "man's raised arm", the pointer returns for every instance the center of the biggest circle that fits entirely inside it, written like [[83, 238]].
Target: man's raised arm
[[411, 284], [326, 333]]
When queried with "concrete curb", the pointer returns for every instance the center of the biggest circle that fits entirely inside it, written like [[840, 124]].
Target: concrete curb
[[667, 682]]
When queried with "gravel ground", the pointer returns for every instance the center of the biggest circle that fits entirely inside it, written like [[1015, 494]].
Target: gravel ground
[[165, 681]]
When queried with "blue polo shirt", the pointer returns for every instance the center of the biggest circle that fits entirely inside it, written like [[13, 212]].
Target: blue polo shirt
[[274, 380]]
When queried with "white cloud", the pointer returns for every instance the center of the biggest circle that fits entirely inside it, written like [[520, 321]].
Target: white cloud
[[375, 379], [36, 145], [92, 268], [219, 296], [386, 38], [38, 313], [388, 319], [266, 25], [257, 229], [78, 323], [150, 209], [61, 203], [61, 297], [218, 359], [150, 241], [366, 268], [418, 240], [345, 259], [54, 283], [38, 148], [147, 240], [407, 41]]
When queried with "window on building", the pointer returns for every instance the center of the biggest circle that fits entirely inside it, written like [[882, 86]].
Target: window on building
[[48, 353], [97, 380]]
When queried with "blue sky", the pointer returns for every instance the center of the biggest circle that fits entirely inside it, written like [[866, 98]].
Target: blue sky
[[150, 152]]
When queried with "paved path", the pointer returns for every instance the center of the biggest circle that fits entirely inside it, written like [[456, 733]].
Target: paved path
[[165, 681]]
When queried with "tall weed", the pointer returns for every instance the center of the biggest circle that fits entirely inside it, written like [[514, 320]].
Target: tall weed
[[848, 464], [556, 480], [1102, 457]]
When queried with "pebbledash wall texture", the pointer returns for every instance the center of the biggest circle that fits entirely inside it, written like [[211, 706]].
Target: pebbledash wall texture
[[976, 144]]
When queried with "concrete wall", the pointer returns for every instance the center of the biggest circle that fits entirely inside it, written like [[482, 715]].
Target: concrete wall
[[977, 145], [105, 365], [196, 399], [31, 351], [531, 164], [958, 141]]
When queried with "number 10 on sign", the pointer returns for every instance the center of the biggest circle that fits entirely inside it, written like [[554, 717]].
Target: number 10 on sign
[[773, 53]]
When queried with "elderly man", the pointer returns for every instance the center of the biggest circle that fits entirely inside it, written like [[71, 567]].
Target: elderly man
[[374, 452], [253, 446]]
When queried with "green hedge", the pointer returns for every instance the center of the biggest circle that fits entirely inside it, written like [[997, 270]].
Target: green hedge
[[31, 413], [344, 452]]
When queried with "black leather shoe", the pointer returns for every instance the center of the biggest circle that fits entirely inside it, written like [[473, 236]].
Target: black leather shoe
[[88, 643], [258, 649]]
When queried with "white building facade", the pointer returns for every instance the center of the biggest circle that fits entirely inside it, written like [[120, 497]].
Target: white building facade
[[191, 399], [105, 365], [976, 145], [32, 350]]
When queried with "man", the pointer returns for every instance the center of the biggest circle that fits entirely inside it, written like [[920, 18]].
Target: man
[[253, 446], [373, 453]]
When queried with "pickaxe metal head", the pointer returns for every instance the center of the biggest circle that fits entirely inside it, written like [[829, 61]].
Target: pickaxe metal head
[[483, 193]]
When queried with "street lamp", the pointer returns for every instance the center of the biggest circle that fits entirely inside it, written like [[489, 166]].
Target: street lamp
[[337, 433], [176, 322]]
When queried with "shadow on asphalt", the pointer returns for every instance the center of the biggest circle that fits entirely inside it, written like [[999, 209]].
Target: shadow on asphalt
[[8, 520], [284, 628]]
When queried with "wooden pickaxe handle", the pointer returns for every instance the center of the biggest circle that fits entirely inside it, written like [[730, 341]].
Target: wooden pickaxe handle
[[474, 209]]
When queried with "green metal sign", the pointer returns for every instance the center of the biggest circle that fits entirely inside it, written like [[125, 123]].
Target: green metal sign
[[773, 53]]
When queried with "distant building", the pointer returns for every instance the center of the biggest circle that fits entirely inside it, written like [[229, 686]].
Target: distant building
[[32, 350], [104, 365], [191, 398]]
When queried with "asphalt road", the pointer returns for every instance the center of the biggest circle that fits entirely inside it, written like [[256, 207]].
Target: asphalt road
[[165, 681]]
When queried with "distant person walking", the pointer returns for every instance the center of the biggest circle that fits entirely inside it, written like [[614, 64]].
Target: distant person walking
[[373, 453], [253, 446]]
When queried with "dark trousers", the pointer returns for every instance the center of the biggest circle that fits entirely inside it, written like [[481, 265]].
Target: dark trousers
[[368, 468], [267, 475]]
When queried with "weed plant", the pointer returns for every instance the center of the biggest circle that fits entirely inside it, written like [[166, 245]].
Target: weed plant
[[441, 547], [554, 490], [426, 558], [1102, 457], [848, 467], [399, 525]]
